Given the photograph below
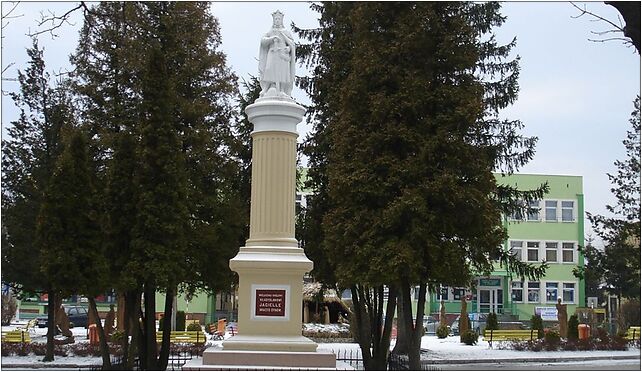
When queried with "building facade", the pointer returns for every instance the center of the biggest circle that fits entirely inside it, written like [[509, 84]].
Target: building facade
[[553, 235]]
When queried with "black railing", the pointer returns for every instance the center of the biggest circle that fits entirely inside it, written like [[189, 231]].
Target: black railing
[[400, 362]]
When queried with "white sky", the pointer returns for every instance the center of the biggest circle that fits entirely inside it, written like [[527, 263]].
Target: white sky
[[575, 95]]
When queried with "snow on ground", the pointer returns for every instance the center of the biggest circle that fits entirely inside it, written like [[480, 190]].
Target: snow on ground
[[331, 328], [437, 349], [451, 348]]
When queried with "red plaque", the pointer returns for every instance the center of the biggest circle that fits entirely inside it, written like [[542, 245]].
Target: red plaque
[[270, 302]]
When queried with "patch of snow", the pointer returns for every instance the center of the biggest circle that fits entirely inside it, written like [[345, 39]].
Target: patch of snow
[[451, 348]]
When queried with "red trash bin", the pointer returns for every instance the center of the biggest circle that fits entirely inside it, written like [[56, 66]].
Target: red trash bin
[[583, 331], [93, 335]]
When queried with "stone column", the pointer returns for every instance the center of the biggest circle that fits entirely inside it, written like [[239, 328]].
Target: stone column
[[271, 265]]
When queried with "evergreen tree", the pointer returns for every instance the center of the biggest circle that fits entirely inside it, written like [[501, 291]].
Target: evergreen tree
[[620, 261], [68, 228], [29, 154], [122, 51], [406, 139]]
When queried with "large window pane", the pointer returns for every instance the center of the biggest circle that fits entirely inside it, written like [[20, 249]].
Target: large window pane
[[567, 211], [551, 291], [534, 215], [551, 251], [532, 251], [568, 293], [551, 210], [567, 252], [517, 292], [533, 291]]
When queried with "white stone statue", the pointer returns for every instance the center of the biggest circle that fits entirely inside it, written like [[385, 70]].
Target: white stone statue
[[277, 58]]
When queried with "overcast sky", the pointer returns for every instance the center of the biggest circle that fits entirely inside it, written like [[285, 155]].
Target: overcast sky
[[575, 95]]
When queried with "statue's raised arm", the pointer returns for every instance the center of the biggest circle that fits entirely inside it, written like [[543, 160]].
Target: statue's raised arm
[[277, 59]]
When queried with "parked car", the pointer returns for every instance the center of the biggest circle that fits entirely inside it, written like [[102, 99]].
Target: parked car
[[78, 317], [477, 323], [430, 324]]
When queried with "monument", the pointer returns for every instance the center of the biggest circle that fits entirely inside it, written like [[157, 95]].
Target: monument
[[271, 265]]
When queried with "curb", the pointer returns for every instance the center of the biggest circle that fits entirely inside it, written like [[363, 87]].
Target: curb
[[530, 360]]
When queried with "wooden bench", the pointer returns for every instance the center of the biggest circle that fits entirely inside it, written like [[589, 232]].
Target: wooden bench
[[508, 334], [192, 337], [16, 336], [633, 333]]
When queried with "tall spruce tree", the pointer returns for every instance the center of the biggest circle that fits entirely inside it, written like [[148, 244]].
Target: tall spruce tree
[[407, 136]]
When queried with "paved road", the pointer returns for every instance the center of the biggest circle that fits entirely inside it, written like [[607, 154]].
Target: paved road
[[600, 365]]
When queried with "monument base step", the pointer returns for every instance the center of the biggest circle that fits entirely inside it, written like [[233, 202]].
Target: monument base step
[[269, 343], [217, 359], [197, 365]]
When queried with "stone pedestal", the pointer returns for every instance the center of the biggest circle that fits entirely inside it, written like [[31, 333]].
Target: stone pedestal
[[271, 265]]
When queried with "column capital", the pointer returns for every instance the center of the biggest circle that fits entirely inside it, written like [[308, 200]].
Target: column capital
[[275, 115]]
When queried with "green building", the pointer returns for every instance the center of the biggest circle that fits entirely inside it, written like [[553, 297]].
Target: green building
[[552, 235]]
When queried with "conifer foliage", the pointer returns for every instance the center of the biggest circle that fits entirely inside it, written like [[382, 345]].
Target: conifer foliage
[[406, 138], [156, 157], [619, 264]]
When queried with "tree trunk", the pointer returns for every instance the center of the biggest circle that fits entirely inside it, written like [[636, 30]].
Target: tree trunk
[[51, 326], [401, 346], [151, 348], [132, 328], [373, 336], [414, 331], [164, 351], [104, 348]]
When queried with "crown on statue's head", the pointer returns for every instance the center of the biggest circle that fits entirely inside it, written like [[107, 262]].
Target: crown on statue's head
[[277, 16]]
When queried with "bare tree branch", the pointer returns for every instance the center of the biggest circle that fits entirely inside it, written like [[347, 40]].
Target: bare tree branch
[[56, 21], [598, 18], [8, 15], [626, 41], [631, 30]]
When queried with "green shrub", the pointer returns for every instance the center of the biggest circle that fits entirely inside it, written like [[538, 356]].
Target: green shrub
[[573, 323], [491, 321], [469, 337], [117, 336], [442, 331], [194, 327], [538, 324]]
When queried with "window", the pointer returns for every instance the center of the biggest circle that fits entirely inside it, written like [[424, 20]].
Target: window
[[551, 291], [416, 294], [532, 251], [517, 292], [458, 293], [517, 214], [568, 293], [568, 250], [551, 251], [442, 294], [533, 291], [516, 248], [534, 215], [567, 211], [551, 210]]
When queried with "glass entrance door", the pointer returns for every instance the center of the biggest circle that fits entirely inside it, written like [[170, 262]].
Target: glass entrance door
[[490, 300]]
